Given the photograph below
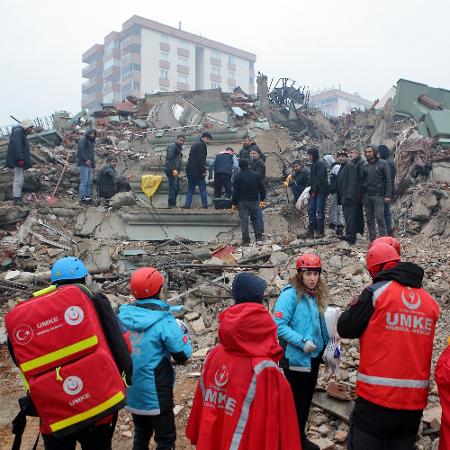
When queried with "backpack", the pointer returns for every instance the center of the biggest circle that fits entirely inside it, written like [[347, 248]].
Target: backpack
[[63, 356]]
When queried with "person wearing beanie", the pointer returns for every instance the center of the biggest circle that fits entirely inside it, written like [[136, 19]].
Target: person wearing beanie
[[385, 154], [377, 191], [394, 319], [302, 332], [18, 157], [242, 399]]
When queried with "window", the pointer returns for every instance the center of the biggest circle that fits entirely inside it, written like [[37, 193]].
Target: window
[[182, 61], [164, 56], [110, 63], [215, 85], [183, 44], [131, 67], [164, 74], [231, 59], [164, 37], [182, 78], [215, 70], [231, 75], [216, 54], [110, 46]]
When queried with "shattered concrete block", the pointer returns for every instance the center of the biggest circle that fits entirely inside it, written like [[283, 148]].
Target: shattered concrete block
[[88, 221], [201, 353], [198, 326], [432, 415], [191, 316], [123, 199], [202, 253], [324, 443], [435, 227], [278, 258], [340, 436], [113, 227]]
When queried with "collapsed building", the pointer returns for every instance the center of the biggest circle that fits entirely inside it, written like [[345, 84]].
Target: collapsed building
[[198, 250]]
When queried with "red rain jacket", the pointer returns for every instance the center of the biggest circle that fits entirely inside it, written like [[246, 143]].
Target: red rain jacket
[[442, 377], [243, 401]]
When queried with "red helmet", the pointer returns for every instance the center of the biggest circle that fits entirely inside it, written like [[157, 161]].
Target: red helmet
[[146, 282], [387, 240], [308, 261], [379, 255]]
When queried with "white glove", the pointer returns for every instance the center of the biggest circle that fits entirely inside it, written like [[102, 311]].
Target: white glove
[[309, 347]]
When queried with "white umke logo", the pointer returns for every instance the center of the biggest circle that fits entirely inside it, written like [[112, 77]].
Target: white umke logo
[[221, 376], [74, 315], [412, 304], [72, 385]]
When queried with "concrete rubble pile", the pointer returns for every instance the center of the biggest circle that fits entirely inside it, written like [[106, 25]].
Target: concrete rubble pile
[[137, 231]]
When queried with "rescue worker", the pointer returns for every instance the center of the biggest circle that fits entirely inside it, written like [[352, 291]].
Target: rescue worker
[[298, 180], [394, 319], [174, 158], [224, 164], [156, 337], [392, 241], [71, 271], [248, 144], [242, 400], [18, 156], [442, 378], [299, 315], [86, 164]]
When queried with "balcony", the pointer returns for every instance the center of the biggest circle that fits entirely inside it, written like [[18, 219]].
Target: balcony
[[215, 78], [134, 75], [112, 73], [92, 84], [231, 66], [164, 46], [183, 69], [183, 52], [92, 68], [111, 87], [164, 64], [130, 58], [97, 97], [216, 62], [164, 82], [95, 52], [132, 43], [114, 53]]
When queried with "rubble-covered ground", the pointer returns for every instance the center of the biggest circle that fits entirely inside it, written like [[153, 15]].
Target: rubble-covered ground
[[199, 273]]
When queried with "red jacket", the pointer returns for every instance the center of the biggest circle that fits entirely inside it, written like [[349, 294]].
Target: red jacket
[[243, 401], [442, 377]]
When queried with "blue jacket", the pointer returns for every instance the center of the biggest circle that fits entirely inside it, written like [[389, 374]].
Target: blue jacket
[[155, 337], [298, 322]]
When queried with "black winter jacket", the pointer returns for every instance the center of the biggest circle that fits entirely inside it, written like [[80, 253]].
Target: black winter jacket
[[244, 152], [18, 149], [377, 179], [347, 184], [318, 178], [247, 186], [360, 165], [173, 158], [258, 166], [300, 179], [86, 149], [223, 163], [106, 182], [196, 165]]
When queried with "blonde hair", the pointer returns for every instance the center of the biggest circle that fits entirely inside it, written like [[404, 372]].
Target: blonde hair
[[321, 290]]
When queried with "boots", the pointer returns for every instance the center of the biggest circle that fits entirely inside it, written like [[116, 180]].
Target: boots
[[18, 201], [339, 230], [320, 233], [310, 232]]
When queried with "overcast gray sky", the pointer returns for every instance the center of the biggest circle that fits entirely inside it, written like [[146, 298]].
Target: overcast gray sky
[[365, 46]]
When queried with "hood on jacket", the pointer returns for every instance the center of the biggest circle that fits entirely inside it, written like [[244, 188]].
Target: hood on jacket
[[314, 152], [248, 329], [329, 159], [384, 152], [247, 287], [138, 318], [406, 273], [89, 130]]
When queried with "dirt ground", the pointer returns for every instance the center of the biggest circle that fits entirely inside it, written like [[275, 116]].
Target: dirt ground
[[11, 389]]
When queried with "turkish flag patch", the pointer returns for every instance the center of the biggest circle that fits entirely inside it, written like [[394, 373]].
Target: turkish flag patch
[[185, 339], [279, 315]]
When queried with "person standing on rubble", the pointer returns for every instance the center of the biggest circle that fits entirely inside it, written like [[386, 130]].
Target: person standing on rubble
[[335, 215], [249, 195], [106, 180], [320, 188], [196, 170], [86, 164], [360, 164], [377, 191], [242, 400], [18, 156], [394, 319], [385, 154], [174, 158], [156, 337], [302, 332], [298, 180], [248, 144], [224, 165]]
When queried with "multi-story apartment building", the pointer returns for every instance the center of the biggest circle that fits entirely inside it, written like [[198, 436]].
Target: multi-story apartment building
[[147, 56], [334, 102]]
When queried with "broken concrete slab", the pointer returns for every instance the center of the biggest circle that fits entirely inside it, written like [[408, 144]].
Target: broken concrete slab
[[339, 408], [122, 199]]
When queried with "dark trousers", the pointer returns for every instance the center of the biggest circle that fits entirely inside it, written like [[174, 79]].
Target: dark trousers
[[174, 187], [316, 212], [163, 425], [359, 222], [222, 181], [249, 209], [192, 183], [358, 440], [374, 207], [388, 219], [303, 385], [92, 438], [350, 213]]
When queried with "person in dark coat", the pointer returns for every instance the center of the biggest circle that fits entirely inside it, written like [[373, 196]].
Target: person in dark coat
[[248, 145], [347, 193], [385, 154], [225, 163], [257, 164], [107, 179], [298, 180], [320, 188], [86, 164], [173, 167], [360, 164], [377, 191], [18, 156], [196, 170], [249, 195]]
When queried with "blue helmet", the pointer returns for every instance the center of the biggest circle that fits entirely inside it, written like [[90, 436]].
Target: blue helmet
[[68, 268]]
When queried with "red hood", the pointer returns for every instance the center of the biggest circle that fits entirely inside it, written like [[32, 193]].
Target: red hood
[[248, 330]]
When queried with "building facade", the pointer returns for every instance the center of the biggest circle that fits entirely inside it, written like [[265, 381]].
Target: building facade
[[147, 56], [334, 102]]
